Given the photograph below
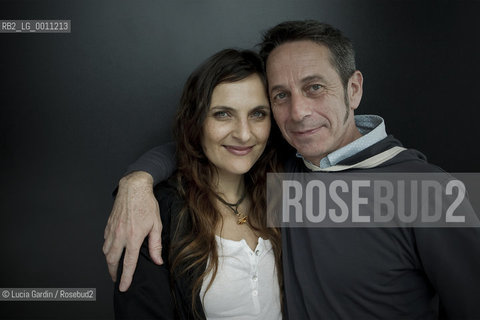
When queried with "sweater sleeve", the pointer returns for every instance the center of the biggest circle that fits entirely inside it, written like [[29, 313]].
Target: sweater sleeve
[[159, 162]]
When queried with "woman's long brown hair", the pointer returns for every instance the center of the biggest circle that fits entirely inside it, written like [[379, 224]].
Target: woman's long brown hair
[[193, 242]]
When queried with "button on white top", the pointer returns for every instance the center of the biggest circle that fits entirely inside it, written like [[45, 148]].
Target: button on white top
[[233, 294]]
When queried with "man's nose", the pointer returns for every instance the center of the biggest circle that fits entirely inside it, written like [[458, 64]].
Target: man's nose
[[300, 107]]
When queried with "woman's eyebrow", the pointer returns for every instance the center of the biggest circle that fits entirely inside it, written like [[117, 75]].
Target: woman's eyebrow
[[227, 108], [261, 108], [223, 108]]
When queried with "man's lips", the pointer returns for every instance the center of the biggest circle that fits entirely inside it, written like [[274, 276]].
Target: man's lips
[[239, 150], [306, 132]]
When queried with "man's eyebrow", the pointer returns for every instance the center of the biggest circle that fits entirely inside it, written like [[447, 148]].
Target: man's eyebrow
[[315, 77], [277, 87]]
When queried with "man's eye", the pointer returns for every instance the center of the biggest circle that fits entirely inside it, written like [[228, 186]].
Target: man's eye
[[280, 96], [315, 87]]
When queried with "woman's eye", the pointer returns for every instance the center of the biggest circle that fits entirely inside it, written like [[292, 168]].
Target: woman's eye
[[221, 114], [259, 114]]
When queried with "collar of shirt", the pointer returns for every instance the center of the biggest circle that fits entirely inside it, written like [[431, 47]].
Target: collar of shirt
[[372, 128]]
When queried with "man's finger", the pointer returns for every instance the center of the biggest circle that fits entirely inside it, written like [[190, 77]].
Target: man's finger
[[155, 243], [112, 269], [108, 227], [113, 257], [107, 244], [129, 265]]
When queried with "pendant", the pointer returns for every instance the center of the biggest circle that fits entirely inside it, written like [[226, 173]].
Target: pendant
[[242, 220]]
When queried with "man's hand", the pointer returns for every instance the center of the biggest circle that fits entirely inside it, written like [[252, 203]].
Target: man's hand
[[135, 215]]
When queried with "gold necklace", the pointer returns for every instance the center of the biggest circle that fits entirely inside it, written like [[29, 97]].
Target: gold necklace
[[241, 218]]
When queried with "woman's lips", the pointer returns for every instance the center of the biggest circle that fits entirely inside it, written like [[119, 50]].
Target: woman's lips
[[238, 150]]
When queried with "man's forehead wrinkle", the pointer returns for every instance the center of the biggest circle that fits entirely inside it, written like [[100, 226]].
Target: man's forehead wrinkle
[[291, 74], [291, 67], [292, 78]]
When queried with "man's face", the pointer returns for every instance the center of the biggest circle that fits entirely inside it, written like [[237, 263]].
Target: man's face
[[312, 108]]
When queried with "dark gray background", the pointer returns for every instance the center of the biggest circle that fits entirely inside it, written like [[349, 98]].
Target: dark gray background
[[76, 108]]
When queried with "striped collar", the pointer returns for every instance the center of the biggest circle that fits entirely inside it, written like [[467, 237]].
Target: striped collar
[[372, 128]]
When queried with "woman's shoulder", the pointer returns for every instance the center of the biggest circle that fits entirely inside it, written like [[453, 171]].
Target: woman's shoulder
[[166, 190], [169, 199]]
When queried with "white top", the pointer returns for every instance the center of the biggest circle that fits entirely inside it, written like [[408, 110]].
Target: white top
[[246, 284]]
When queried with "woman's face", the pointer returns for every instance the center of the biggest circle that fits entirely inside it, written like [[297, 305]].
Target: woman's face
[[237, 125]]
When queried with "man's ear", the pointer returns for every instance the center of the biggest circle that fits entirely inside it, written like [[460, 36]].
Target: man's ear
[[355, 89]]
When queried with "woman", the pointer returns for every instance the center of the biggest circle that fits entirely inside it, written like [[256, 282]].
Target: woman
[[221, 261]]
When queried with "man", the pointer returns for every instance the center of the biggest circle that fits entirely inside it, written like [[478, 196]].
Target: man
[[350, 273]]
